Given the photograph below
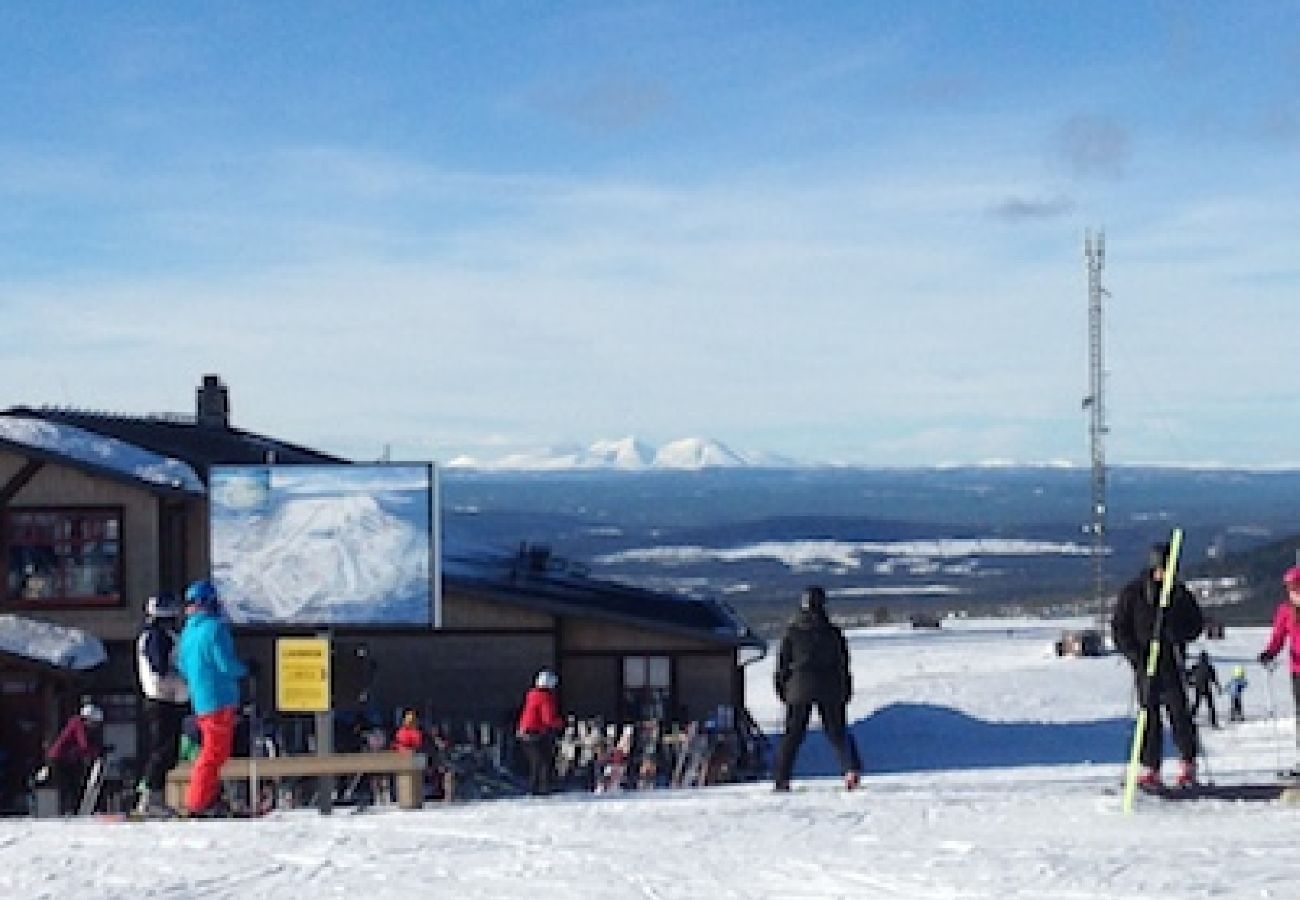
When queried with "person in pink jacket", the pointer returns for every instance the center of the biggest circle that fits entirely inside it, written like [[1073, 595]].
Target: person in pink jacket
[[1286, 630]]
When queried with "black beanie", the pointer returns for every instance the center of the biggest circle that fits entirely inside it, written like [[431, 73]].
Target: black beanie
[[813, 599], [1159, 557]]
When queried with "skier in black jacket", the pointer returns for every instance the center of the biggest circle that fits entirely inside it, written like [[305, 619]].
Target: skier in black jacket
[[166, 698], [1205, 678], [1131, 627], [813, 668]]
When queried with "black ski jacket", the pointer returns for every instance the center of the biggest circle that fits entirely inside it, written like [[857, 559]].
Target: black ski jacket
[[1135, 617], [813, 663], [1204, 676]]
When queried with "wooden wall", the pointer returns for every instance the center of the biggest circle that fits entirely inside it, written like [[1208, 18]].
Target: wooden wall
[[57, 485]]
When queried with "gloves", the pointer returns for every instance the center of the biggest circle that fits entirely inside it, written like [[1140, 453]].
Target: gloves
[[42, 775], [1266, 660]]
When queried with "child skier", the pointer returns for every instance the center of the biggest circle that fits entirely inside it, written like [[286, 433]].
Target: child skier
[[1235, 688], [409, 737]]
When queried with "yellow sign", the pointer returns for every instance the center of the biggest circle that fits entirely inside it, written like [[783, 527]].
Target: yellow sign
[[302, 674]]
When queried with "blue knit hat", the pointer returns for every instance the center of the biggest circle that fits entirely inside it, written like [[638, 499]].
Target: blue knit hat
[[202, 594]]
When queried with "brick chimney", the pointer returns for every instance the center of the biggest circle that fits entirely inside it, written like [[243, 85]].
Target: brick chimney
[[212, 406]]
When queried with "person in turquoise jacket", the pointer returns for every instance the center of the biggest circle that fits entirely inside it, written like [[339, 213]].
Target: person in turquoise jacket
[[206, 658]]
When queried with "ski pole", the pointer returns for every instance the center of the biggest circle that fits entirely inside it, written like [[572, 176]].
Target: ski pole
[[1205, 758], [1272, 714]]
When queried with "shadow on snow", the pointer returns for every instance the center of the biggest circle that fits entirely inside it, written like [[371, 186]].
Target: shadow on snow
[[921, 737]]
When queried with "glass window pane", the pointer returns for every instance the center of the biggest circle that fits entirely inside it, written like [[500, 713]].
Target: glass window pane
[[58, 556], [659, 672], [634, 672]]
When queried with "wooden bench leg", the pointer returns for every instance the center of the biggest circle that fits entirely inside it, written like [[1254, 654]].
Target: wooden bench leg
[[409, 790], [174, 794]]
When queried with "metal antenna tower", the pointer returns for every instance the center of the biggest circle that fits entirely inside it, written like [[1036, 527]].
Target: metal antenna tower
[[1094, 251]]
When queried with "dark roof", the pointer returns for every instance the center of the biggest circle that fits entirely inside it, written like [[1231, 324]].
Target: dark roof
[[201, 446], [561, 592]]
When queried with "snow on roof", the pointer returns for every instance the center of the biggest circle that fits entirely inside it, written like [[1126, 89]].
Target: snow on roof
[[67, 648], [101, 451]]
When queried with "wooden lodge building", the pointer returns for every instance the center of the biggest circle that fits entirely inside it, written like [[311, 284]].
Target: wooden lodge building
[[100, 511]]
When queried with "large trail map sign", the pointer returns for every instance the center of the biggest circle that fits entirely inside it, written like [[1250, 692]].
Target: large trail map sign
[[325, 545]]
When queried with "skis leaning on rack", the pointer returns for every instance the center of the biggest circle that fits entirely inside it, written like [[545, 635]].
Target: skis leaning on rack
[[94, 785]]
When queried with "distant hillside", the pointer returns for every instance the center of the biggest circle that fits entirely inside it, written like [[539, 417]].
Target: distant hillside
[[1262, 567], [880, 541]]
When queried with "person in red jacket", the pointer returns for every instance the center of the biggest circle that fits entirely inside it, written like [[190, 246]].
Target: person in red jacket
[[79, 743], [409, 737], [1286, 630], [539, 723]]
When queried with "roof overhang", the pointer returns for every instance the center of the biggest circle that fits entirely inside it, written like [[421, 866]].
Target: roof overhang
[[98, 455], [536, 595]]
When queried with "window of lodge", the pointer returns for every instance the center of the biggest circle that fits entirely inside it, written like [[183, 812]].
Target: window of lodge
[[62, 557], [647, 687]]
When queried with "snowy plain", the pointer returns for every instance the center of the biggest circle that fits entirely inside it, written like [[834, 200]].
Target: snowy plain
[[992, 770]]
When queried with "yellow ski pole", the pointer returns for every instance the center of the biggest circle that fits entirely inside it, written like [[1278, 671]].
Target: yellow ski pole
[[1153, 658]]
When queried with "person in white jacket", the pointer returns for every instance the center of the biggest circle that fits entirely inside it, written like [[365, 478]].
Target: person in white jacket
[[166, 698]]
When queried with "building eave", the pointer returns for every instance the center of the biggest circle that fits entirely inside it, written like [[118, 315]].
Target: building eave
[[52, 457], [536, 595]]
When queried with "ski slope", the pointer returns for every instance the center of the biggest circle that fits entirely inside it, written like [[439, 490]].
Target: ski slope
[[992, 769]]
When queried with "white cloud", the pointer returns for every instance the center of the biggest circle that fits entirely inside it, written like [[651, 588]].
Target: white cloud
[[869, 307]]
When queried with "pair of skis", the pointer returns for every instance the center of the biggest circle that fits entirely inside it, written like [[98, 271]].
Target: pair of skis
[[93, 788]]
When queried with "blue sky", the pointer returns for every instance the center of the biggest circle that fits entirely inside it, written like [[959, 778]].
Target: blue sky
[[833, 231]]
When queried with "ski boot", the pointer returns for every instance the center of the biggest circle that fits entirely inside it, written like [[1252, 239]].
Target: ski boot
[[221, 809], [1186, 775], [151, 806], [851, 780], [1149, 779]]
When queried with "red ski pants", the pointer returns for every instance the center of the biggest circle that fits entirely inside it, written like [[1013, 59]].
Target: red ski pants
[[217, 734]]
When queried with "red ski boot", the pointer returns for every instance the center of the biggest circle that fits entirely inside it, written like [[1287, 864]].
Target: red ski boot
[[1149, 779]]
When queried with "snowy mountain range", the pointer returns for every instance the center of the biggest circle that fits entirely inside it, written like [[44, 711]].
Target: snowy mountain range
[[632, 454], [627, 454]]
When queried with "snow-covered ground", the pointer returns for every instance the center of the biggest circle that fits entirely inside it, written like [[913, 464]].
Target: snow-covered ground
[[992, 772]]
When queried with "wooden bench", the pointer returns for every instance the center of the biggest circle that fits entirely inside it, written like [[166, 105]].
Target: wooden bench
[[407, 770]]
